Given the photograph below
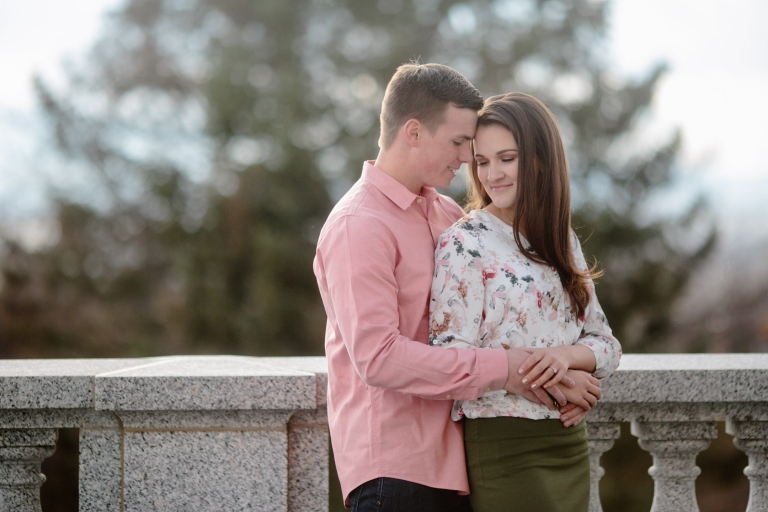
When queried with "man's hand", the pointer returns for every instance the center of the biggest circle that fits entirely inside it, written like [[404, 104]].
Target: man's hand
[[539, 396], [515, 386], [571, 415], [515, 358], [586, 393]]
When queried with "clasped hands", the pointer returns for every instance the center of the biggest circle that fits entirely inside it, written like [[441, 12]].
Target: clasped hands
[[545, 376]]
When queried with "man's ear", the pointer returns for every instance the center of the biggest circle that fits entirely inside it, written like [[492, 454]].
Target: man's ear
[[414, 131]]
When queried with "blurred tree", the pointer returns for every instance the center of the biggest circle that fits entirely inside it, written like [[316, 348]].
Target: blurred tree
[[216, 134], [726, 306], [203, 143]]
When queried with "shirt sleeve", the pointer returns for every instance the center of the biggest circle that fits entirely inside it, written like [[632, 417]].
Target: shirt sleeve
[[458, 292], [596, 333], [357, 258]]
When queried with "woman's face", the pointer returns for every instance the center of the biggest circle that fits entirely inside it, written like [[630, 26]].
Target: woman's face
[[496, 154]]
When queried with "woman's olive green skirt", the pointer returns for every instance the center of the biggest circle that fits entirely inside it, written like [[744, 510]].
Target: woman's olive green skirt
[[522, 465]]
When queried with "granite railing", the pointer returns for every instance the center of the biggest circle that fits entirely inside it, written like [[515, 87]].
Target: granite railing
[[225, 433], [209, 433]]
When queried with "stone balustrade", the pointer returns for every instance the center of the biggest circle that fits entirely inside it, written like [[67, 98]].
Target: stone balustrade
[[167, 434], [212, 433], [674, 403]]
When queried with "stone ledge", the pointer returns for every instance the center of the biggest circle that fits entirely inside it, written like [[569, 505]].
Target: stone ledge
[[251, 383], [164, 383], [688, 378], [205, 383], [53, 383], [316, 365]]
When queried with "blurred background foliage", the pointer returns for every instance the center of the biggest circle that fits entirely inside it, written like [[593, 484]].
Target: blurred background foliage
[[211, 139], [216, 136]]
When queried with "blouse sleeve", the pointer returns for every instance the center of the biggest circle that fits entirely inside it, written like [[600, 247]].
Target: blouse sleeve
[[456, 306], [596, 333]]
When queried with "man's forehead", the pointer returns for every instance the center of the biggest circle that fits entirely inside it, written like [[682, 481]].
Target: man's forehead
[[459, 133], [461, 122], [460, 112]]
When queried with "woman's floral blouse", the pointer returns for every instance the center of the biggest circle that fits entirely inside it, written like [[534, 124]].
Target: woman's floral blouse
[[486, 293]]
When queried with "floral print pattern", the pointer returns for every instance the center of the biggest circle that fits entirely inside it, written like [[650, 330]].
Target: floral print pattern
[[486, 293]]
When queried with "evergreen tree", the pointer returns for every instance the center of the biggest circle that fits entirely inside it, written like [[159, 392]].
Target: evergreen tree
[[216, 135]]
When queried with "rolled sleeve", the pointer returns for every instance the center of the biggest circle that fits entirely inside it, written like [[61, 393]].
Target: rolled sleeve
[[606, 354]]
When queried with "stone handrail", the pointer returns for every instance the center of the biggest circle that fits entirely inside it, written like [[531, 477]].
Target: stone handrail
[[207, 433], [674, 402], [212, 433]]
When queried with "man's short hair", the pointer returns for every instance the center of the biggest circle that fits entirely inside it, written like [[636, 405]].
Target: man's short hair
[[423, 92]]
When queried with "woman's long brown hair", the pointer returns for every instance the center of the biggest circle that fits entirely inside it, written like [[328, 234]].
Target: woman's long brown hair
[[542, 209]]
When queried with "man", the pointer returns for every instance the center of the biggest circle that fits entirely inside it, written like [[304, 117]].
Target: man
[[389, 393]]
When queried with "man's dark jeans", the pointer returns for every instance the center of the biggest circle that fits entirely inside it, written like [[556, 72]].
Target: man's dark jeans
[[393, 495]]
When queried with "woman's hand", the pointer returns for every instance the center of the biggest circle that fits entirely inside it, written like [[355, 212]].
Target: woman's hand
[[587, 391], [571, 415], [514, 385], [545, 367]]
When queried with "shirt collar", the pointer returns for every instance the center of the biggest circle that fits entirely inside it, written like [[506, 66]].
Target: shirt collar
[[393, 189]]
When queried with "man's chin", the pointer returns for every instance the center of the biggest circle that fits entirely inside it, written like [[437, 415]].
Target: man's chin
[[446, 182]]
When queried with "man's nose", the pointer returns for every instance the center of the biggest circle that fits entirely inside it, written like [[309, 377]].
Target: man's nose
[[465, 155]]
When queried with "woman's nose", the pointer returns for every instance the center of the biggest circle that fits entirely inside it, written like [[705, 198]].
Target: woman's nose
[[493, 172]]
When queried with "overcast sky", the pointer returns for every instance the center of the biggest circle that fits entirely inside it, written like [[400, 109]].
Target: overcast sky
[[716, 91], [717, 51]]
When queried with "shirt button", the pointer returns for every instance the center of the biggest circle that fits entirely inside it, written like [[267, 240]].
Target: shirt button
[[419, 200], [448, 396]]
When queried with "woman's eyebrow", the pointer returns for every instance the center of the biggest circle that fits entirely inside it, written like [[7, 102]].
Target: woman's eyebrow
[[501, 152]]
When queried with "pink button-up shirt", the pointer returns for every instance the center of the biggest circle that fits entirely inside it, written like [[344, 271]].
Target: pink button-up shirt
[[390, 393]]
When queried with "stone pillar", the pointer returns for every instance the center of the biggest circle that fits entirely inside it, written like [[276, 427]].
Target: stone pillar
[[601, 438], [100, 479], [751, 437], [674, 447], [308, 461], [203, 433], [205, 461], [21, 454]]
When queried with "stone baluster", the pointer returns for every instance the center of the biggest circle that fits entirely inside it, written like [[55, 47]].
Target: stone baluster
[[21, 454], [751, 437], [674, 447], [308, 461], [100, 482], [601, 439]]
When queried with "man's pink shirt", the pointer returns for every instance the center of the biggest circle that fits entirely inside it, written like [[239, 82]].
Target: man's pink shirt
[[390, 393]]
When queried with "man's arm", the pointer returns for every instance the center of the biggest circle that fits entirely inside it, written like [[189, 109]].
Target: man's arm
[[357, 258]]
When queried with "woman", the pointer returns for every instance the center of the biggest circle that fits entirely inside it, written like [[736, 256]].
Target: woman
[[511, 274]]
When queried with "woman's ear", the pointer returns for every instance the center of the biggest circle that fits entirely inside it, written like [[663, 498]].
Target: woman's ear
[[413, 130]]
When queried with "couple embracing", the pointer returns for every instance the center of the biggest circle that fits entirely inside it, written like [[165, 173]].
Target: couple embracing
[[464, 349]]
